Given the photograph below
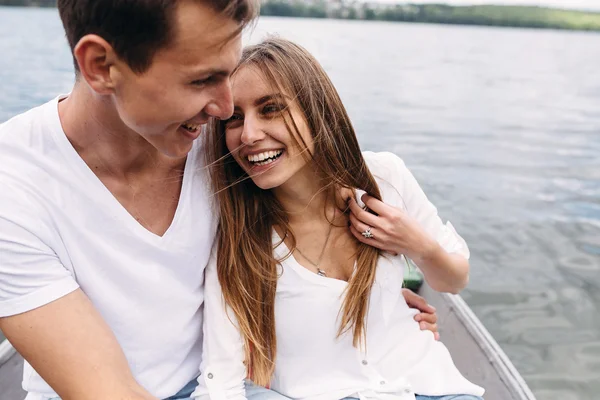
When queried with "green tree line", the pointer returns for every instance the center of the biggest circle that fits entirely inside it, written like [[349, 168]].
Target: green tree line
[[515, 16]]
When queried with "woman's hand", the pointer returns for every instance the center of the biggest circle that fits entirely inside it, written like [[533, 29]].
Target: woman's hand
[[393, 230], [427, 318]]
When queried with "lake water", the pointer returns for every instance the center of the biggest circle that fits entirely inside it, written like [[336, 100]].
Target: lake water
[[501, 128]]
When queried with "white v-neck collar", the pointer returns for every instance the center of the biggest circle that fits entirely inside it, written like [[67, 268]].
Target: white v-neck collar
[[106, 195]]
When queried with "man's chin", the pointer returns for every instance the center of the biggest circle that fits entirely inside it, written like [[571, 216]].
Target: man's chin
[[176, 150]]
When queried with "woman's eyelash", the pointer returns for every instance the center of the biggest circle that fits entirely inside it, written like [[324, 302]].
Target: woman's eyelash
[[269, 108]]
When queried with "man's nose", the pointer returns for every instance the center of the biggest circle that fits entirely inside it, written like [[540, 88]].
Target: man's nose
[[222, 104]]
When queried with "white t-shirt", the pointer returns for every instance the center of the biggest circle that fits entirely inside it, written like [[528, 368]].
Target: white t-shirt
[[311, 363], [61, 229]]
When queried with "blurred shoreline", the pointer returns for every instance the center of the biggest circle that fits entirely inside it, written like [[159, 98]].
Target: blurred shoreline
[[478, 15], [475, 15]]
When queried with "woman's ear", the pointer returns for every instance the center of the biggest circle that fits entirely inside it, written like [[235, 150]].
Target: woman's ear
[[95, 57]]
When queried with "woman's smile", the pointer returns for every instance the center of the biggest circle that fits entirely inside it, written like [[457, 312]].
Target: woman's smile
[[259, 133], [258, 163]]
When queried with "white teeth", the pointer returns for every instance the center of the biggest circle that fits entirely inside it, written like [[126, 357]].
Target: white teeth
[[267, 162], [191, 127], [264, 158]]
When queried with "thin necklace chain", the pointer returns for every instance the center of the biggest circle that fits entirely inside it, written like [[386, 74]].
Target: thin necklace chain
[[318, 263]]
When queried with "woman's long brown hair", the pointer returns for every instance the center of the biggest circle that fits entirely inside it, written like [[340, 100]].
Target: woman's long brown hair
[[247, 268]]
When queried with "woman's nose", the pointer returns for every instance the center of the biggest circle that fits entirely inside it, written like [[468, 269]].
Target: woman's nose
[[252, 132]]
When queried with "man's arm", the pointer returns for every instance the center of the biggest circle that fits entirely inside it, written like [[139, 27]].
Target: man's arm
[[73, 349]]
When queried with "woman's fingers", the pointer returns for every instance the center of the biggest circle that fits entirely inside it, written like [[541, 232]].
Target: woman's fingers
[[363, 215], [360, 225], [358, 234], [375, 205], [378, 234], [371, 242]]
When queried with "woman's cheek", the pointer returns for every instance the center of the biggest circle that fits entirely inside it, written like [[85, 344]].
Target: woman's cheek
[[231, 140]]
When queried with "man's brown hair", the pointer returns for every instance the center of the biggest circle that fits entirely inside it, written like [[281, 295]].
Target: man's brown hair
[[137, 29]]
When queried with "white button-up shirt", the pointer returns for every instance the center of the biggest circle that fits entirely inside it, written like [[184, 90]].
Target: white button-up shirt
[[398, 361]]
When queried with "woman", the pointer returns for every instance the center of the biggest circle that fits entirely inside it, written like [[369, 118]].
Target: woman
[[310, 275]]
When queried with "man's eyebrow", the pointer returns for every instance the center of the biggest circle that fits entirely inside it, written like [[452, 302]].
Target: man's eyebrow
[[211, 72]]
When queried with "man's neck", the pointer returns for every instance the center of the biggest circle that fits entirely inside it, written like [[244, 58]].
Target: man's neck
[[146, 183], [95, 130]]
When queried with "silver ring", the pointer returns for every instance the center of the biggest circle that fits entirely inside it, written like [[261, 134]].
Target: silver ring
[[367, 234]]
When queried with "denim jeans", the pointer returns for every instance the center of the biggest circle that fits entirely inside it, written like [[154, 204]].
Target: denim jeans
[[447, 397], [183, 394], [186, 392], [450, 397], [254, 392]]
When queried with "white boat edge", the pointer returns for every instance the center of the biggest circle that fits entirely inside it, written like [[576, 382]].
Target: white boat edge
[[496, 356]]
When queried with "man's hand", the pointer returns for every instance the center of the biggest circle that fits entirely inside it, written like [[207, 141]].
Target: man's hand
[[427, 318]]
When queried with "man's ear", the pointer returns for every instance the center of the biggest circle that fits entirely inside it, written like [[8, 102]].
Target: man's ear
[[95, 57]]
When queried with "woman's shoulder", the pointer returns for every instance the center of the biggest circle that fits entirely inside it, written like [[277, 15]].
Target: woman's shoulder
[[386, 166], [382, 160]]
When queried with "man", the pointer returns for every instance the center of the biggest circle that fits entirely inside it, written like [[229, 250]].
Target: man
[[106, 221]]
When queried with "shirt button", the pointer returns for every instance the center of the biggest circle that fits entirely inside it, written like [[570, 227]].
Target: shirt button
[[209, 376], [365, 362], [407, 391], [382, 383]]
